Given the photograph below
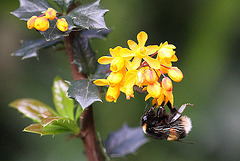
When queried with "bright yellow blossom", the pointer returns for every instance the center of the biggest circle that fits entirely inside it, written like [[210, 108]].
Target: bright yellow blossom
[[62, 24], [120, 57], [175, 74], [142, 52]]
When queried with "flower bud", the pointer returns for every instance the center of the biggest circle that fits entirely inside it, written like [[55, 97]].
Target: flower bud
[[62, 24], [150, 76], [112, 94], [117, 64], [31, 22], [114, 78], [167, 84], [41, 24], [51, 14], [175, 74]]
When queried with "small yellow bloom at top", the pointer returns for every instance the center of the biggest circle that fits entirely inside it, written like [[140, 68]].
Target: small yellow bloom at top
[[166, 50], [51, 14], [142, 52], [31, 22], [41, 24], [175, 74], [62, 24]]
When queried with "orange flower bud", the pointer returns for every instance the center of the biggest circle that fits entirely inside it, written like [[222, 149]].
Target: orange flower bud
[[175, 74], [31, 22], [167, 84], [41, 24], [112, 94], [117, 64], [150, 76], [114, 78], [51, 14], [62, 24]]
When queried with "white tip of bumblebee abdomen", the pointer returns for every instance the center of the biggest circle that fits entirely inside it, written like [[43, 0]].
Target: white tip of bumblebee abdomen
[[187, 123]]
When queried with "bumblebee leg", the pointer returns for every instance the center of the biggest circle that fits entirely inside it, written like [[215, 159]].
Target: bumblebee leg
[[179, 112]]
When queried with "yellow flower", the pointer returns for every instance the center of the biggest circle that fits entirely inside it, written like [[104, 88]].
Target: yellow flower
[[150, 76], [120, 58], [175, 74], [31, 22], [112, 94], [142, 52], [41, 24], [62, 24], [166, 50], [51, 14]]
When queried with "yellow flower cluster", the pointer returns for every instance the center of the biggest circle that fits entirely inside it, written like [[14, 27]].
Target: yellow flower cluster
[[41, 23], [141, 66]]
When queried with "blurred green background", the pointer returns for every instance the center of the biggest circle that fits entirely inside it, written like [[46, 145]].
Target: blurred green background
[[206, 34]]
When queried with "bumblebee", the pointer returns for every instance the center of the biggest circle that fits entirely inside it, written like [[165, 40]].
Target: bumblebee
[[163, 126]]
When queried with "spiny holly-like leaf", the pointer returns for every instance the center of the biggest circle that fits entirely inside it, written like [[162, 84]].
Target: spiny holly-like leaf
[[63, 4], [124, 141], [33, 109], [84, 92], [89, 16], [84, 57], [101, 72], [30, 48], [53, 126], [54, 33], [29, 8], [63, 104]]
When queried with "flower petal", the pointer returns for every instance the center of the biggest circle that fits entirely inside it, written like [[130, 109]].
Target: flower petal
[[132, 45], [153, 63], [151, 49], [136, 62], [128, 65], [105, 60], [126, 53], [142, 38], [115, 52], [101, 82]]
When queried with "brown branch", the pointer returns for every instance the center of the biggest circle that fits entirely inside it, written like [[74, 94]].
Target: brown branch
[[87, 133]]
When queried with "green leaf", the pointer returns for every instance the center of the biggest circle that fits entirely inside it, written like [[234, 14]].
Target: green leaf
[[29, 8], [89, 16], [30, 48], [84, 92], [79, 111], [54, 126], [84, 56], [64, 4], [124, 141], [53, 33], [63, 104], [33, 109]]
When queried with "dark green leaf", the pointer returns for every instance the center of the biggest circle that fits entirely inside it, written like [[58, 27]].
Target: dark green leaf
[[54, 33], [30, 48], [84, 91], [84, 57], [124, 141], [53, 126], [33, 109], [89, 16], [102, 72], [29, 8], [64, 4], [63, 104]]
